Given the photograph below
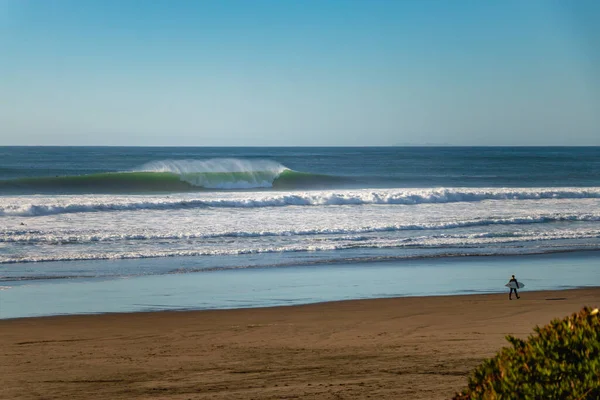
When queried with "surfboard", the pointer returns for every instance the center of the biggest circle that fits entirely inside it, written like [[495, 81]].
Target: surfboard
[[513, 286]]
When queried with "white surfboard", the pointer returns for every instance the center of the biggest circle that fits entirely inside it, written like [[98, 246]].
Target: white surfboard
[[512, 285]]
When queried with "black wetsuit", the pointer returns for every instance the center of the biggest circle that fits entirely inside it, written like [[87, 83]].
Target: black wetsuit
[[511, 289]]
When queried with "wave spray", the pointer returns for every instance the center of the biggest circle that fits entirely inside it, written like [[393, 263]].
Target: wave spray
[[220, 173]]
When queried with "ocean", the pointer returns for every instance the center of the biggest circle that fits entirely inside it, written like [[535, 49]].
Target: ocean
[[84, 221]]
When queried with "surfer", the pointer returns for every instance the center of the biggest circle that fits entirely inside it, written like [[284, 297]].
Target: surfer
[[515, 288]]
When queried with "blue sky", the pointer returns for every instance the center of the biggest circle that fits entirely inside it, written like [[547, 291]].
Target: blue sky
[[244, 73]]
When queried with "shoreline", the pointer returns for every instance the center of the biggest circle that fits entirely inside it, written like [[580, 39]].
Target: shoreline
[[286, 306], [403, 347], [269, 287]]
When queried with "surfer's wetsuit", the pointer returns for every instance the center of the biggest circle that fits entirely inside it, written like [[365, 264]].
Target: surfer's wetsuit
[[511, 289]]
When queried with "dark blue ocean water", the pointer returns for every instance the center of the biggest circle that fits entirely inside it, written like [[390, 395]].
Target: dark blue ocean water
[[366, 167]]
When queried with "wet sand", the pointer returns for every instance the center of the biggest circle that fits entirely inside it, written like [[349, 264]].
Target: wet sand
[[412, 348]]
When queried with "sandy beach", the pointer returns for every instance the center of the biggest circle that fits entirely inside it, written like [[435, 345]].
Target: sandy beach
[[413, 348]]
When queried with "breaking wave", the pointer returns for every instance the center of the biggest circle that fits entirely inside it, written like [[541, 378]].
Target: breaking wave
[[178, 176], [65, 205]]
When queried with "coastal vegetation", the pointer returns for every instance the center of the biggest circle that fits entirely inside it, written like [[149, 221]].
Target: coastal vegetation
[[559, 361]]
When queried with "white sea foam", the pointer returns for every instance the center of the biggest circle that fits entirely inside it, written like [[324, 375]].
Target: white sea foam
[[274, 225], [39, 206], [436, 242], [32, 237]]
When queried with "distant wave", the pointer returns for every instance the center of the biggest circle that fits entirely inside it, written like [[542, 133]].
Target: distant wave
[[40, 206], [177, 176]]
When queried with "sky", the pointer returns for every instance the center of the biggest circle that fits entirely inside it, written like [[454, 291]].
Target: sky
[[299, 73]]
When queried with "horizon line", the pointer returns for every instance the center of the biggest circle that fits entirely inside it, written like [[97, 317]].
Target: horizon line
[[311, 146]]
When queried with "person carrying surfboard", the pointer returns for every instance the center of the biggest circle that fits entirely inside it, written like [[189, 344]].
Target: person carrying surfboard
[[513, 288]]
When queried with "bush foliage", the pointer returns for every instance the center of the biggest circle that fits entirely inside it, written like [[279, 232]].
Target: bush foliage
[[560, 361]]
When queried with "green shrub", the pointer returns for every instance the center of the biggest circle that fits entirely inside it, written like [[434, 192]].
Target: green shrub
[[560, 361]]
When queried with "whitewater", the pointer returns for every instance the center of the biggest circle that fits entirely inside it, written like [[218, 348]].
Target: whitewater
[[411, 222], [91, 216], [18, 206]]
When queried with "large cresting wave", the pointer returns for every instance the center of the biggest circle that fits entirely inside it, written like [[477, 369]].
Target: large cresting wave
[[177, 176]]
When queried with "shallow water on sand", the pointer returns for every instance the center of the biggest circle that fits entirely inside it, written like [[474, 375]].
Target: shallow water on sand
[[265, 287]]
